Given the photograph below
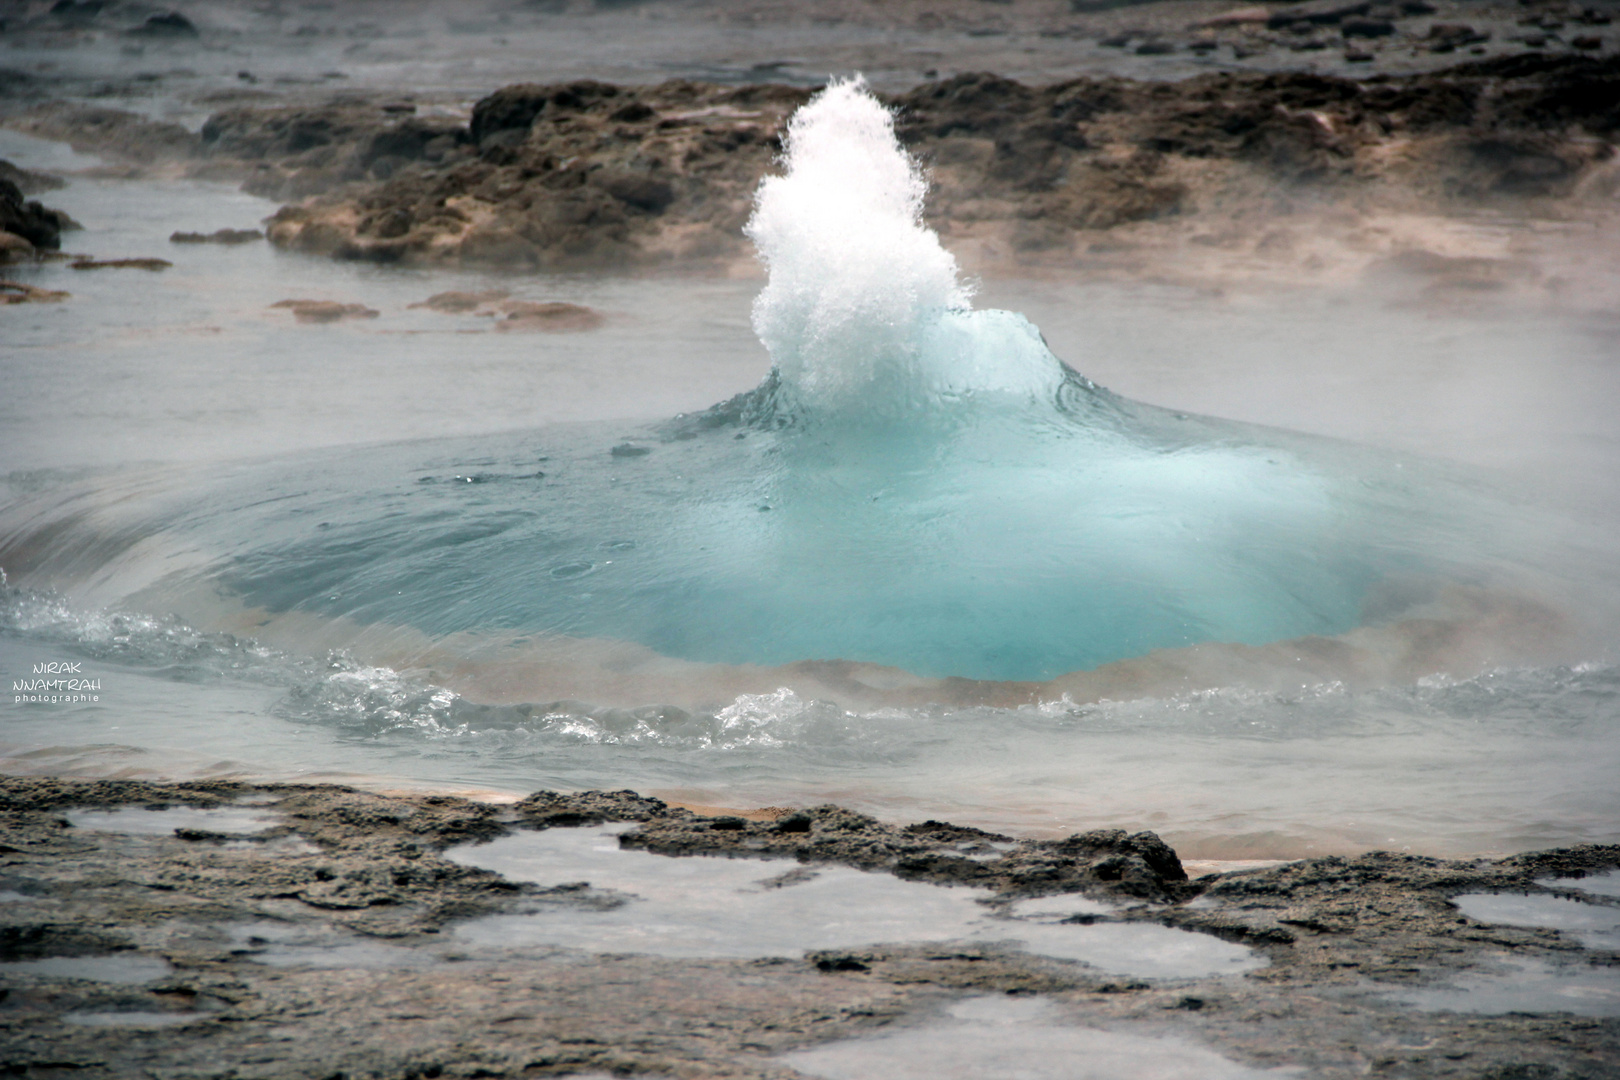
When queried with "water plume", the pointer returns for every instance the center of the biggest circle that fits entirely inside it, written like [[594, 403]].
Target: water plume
[[865, 310]]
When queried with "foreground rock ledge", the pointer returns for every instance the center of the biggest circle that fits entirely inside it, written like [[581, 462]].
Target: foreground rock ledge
[[350, 867]]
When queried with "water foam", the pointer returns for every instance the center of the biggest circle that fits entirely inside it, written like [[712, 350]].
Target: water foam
[[865, 309]]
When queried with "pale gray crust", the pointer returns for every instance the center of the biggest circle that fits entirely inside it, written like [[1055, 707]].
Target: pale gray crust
[[1335, 931]]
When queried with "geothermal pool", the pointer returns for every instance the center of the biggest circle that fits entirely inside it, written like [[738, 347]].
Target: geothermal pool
[[1271, 575]]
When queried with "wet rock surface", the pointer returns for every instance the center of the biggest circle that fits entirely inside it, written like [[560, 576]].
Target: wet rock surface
[[325, 311], [587, 174], [229, 237], [27, 226], [321, 938], [19, 292], [29, 181], [153, 265]]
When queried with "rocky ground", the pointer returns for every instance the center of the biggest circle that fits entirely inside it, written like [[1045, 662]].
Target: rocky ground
[[352, 871], [1236, 172]]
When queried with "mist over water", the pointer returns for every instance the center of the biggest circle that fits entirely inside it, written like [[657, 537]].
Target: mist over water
[[924, 568]]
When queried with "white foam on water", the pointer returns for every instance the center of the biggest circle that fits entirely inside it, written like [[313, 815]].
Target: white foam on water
[[1018, 1039], [143, 822], [1595, 926], [864, 307], [120, 969], [717, 907], [1527, 986]]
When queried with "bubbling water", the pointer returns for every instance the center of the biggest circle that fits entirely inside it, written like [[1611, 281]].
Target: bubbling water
[[915, 484], [865, 310]]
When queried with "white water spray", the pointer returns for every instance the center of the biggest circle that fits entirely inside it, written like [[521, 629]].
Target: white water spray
[[864, 308]]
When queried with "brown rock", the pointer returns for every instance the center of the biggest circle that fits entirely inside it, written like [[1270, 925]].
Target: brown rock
[[456, 303], [325, 311], [218, 236], [1244, 16], [584, 175], [553, 317], [14, 248], [94, 129], [121, 264], [15, 292]]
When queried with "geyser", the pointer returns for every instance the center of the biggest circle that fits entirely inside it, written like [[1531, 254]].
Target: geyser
[[915, 484]]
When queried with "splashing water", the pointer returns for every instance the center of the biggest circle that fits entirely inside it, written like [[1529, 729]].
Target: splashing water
[[864, 313], [924, 561], [916, 484]]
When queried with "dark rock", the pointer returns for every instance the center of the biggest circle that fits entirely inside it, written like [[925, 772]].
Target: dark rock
[[563, 180], [1155, 48], [76, 14], [634, 113], [512, 108], [28, 181], [517, 106], [1317, 13], [218, 236], [640, 191], [153, 265], [1588, 42], [38, 225], [1366, 28], [835, 961], [794, 823], [548, 809], [168, 25], [1446, 37], [112, 133]]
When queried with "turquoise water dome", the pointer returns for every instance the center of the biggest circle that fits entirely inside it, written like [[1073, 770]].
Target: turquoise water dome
[[916, 484]]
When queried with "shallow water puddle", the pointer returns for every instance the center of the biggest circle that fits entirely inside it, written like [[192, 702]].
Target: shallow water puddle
[[143, 822], [1595, 926], [119, 969], [1597, 884], [280, 945], [701, 906], [1011, 1037], [1528, 986]]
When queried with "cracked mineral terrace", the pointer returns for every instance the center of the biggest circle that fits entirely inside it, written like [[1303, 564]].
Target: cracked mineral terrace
[[314, 930]]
